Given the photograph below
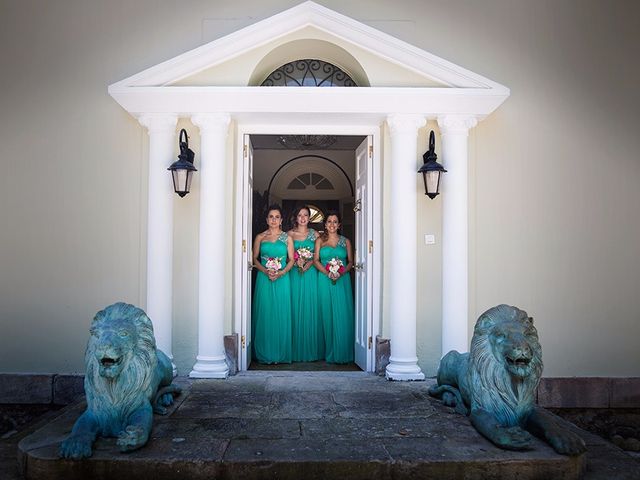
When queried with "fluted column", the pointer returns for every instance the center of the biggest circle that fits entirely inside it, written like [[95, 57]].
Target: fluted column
[[403, 362], [162, 132], [455, 231], [211, 362]]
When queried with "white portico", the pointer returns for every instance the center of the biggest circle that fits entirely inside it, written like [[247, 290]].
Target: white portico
[[186, 87]]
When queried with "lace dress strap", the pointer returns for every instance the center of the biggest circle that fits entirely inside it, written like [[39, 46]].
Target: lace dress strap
[[342, 241], [283, 237], [312, 235]]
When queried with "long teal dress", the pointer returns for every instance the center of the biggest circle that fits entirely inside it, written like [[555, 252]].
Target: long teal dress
[[336, 307], [307, 333], [272, 308]]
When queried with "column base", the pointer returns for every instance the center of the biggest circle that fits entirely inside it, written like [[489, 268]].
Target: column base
[[403, 370], [173, 366], [210, 367]]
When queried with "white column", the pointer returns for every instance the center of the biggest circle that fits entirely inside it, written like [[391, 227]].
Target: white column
[[211, 361], [162, 132], [403, 363], [455, 232]]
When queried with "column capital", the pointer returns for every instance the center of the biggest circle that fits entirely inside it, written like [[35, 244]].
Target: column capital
[[405, 123], [158, 122], [212, 122], [456, 124]]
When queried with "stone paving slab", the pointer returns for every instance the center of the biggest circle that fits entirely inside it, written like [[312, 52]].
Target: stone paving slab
[[287, 427]]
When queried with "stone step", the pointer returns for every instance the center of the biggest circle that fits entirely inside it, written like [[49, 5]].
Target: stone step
[[293, 428]]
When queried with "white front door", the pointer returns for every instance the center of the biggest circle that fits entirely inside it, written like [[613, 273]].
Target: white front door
[[362, 257], [247, 253]]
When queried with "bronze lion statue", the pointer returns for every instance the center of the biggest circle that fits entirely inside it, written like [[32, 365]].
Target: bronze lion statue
[[495, 383], [127, 379]]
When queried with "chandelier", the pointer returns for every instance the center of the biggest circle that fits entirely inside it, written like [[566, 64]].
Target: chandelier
[[307, 142]]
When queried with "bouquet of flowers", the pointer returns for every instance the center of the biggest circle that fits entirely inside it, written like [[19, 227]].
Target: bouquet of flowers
[[334, 267], [273, 263], [302, 256]]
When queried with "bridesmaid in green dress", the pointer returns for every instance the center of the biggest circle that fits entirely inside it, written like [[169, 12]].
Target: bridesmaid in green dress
[[273, 257], [333, 259], [307, 335]]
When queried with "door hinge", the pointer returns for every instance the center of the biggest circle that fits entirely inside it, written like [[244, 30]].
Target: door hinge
[[370, 342], [370, 151], [370, 246], [242, 341], [244, 246], [244, 150]]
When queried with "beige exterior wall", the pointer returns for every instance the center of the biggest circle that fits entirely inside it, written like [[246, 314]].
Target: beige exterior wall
[[554, 199]]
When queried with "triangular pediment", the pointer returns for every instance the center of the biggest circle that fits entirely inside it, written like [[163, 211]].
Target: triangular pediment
[[212, 63]]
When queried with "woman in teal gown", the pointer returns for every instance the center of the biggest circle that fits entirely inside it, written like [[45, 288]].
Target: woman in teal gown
[[306, 331], [333, 259], [273, 257]]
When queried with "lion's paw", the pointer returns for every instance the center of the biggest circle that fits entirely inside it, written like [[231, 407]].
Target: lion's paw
[[166, 399], [566, 442], [132, 438], [76, 447], [512, 438], [449, 399]]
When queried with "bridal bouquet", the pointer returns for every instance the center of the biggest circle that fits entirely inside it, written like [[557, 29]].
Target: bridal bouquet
[[273, 263], [334, 267], [302, 256]]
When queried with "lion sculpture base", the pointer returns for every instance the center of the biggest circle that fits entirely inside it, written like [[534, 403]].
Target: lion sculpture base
[[495, 384], [127, 379]]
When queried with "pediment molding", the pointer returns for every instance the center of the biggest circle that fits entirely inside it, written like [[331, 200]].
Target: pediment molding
[[460, 92], [304, 15]]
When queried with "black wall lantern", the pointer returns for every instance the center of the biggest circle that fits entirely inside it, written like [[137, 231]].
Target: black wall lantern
[[431, 169], [182, 169]]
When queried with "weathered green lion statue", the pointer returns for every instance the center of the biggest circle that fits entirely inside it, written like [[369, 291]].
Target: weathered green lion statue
[[127, 379], [495, 383]]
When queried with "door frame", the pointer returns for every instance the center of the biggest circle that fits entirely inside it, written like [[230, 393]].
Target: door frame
[[374, 182]]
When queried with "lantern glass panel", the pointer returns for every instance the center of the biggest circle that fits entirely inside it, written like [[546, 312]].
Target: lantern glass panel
[[432, 178], [179, 180], [189, 177]]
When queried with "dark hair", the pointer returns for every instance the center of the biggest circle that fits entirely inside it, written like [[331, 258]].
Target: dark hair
[[296, 212], [274, 206], [330, 213]]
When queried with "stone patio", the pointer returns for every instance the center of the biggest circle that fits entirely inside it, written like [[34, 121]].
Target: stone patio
[[316, 425]]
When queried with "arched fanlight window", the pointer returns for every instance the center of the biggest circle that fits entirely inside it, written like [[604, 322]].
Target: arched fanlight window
[[308, 72], [310, 180]]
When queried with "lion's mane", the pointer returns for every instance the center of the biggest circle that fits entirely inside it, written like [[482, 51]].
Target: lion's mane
[[491, 384], [112, 399]]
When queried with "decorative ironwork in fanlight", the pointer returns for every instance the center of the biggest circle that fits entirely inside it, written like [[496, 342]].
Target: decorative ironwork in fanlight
[[310, 180], [316, 215], [307, 142], [308, 72]]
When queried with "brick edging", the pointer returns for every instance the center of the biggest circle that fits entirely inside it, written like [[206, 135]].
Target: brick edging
[[589, 392], [41, 388]]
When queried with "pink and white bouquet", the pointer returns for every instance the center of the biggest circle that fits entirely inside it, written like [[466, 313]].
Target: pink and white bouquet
[[302, 256], [334, 267], [273, 263]]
